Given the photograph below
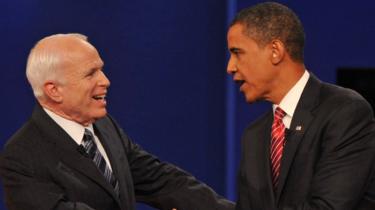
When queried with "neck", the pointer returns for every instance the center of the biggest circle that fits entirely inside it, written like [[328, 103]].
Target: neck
[[55, 109], [288, 77]]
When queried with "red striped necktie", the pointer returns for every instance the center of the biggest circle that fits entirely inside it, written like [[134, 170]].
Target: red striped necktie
[[277, 144]]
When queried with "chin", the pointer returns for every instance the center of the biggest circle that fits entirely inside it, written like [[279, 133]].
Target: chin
[[250, 99], [100, 114], [103, 114]]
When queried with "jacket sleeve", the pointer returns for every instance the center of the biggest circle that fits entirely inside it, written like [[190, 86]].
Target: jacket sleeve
[[166, 186]]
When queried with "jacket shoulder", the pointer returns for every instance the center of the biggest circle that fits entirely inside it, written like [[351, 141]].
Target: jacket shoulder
[[24, 135]]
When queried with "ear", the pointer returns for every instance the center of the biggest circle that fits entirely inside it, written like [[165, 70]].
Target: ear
[[277, 51], [51, 90]]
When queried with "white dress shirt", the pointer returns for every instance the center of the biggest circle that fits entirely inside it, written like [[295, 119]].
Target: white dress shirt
[[290, 100], [76, 132]]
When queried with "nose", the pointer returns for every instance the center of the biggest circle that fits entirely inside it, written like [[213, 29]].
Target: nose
[[103, 80], [231, 67]]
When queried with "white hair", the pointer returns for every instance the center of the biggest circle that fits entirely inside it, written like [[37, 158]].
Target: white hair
[[43, 63]]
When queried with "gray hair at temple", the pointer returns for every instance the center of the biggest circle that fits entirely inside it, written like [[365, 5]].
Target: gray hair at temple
[[44, 61], [267, 21]]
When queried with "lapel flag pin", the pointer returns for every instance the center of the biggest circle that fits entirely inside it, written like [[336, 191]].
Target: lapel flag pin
[[298, 128]]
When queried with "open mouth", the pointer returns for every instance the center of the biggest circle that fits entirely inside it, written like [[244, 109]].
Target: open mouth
[[99, 97], [240, 82]]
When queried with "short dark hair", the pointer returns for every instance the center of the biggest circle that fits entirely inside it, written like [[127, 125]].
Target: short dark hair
[[267, 21]]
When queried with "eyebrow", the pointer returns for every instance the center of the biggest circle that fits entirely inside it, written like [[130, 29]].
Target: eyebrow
[[101, 68]]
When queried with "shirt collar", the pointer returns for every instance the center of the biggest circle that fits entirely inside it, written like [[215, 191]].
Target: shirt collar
[[290, 100], [74, 129]]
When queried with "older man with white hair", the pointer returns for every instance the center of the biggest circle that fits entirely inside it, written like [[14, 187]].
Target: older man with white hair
[[71, 155]]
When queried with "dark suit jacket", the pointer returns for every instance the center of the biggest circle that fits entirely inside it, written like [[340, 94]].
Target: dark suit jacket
[[43, 170], [327, 161]]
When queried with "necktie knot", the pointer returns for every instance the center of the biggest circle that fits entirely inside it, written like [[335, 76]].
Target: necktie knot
[[88, 136], [88, 143], [279, 114]]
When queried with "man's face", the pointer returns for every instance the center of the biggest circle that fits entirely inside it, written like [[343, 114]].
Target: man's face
[[85, 85], [250, 65]]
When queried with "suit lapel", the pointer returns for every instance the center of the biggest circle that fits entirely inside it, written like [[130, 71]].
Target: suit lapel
[[116, 154], [267, 161], [257, 158], [85, 166], [293, 139], [66, 149], [302, 118]]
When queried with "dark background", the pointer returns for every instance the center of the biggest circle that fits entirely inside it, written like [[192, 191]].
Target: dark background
[[166, 61]]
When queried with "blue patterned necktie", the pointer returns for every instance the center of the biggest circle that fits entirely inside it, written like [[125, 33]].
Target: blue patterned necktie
[[93, 152]]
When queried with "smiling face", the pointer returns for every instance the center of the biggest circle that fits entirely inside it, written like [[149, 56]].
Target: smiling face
[[250, 65], [80, 94]]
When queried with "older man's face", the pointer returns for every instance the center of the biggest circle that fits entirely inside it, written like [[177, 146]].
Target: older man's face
[[85, 85]]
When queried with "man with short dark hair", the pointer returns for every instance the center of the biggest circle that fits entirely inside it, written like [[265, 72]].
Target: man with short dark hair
[[71, 155], [316, 148]]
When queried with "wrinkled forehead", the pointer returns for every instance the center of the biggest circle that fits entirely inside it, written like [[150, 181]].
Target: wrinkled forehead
[[84, 59]]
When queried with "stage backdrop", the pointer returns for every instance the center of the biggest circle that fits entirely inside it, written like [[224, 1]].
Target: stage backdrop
[[166, 61]]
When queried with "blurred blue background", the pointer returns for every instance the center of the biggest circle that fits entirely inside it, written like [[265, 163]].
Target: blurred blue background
[[166, 61]]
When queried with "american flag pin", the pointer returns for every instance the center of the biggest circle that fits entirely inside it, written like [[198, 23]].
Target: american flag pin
[[298, 128]]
